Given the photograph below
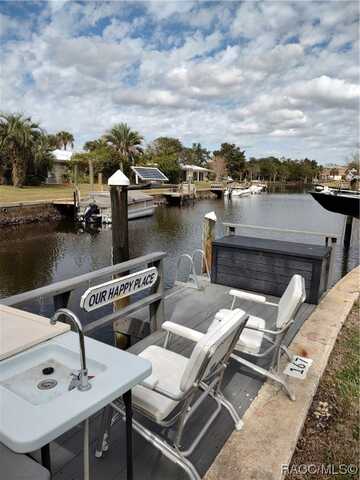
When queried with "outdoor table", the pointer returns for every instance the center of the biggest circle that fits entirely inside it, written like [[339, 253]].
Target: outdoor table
[[27, 427]]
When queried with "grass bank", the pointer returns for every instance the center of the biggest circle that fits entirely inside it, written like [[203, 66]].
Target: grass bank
[[10, 194], [329, 443]]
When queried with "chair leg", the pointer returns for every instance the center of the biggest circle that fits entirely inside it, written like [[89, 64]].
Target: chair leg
[[231, 409], [262, 371], [171, 453], [287, 352], [103, 439]]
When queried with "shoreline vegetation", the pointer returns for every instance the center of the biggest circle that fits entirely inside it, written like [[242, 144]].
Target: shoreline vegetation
[[27, 157]]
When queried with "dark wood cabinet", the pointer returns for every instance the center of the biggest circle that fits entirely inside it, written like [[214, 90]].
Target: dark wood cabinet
[[266, 266]]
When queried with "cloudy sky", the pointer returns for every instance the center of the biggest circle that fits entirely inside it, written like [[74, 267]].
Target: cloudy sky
[[278, 78]]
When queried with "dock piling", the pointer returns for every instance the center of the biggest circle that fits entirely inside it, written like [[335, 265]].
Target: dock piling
[[208, 235], [348, 231], [120, 228]]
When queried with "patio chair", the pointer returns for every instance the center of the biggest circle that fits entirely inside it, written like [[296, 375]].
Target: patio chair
[[170, 396], [255, 335]]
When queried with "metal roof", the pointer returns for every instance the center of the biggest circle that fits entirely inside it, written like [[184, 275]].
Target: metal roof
[[195, 168]]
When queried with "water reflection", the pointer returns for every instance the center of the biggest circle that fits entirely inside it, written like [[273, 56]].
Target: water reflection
[[35, 255]]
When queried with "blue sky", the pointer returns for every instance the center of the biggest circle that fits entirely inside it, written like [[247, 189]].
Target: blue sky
[[276, 78]]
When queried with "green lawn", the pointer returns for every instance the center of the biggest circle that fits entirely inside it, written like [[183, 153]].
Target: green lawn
[[10, 194], [44, 192]]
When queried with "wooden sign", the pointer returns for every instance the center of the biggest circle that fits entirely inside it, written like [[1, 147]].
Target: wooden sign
[[100, 295]]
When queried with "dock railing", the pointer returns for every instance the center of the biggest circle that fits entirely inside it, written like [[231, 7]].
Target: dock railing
[[60, 292], [329, 238]]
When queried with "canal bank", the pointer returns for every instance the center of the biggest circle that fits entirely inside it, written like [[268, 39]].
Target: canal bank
[[34, 212], [17, 213]]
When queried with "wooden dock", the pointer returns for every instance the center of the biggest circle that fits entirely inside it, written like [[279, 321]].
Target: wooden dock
[[218, 189], [194, 309], [180, 195]]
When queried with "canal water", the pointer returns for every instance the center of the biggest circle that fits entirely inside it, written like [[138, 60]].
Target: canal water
[[32, 256]]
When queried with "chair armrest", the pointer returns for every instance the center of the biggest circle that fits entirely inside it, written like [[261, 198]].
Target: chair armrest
[[182, 331], [247, 296], [252, 297], [273, 332]]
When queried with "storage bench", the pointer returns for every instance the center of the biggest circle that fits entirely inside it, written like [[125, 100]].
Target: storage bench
[[266, 266]]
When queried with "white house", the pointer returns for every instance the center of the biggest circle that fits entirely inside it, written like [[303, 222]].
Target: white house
[[57, 174], [195, 173]]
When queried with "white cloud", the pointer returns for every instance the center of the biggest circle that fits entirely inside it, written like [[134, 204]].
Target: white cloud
[[328, 92], [164, 9], [264, 74]]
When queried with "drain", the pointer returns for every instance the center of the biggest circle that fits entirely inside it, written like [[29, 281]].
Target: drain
[[47, 384]]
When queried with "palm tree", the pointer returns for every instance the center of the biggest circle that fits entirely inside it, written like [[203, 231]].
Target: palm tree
[[65, 139], [42, 154], [53, 140], [125, 141], [18, 134], [94, 144]]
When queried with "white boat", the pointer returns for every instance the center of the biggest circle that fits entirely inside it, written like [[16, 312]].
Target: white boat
[[139, 205], [237, 192], [256, 188]]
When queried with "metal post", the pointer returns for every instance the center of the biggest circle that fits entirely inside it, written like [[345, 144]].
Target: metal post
[[75, 179], [45, 457], [331, 273], [128, 420], [348, 231], [157, 310], [86, 450], [91, 175]]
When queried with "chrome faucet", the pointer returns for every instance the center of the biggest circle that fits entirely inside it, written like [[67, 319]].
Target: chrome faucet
[[82, 376]]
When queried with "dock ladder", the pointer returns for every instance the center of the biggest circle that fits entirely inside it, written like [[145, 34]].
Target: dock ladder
[[193, 279]]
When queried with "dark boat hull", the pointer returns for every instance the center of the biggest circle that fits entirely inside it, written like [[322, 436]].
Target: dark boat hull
[[346, 205]]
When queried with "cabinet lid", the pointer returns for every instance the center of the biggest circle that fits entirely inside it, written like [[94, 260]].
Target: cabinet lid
[[293, 249]]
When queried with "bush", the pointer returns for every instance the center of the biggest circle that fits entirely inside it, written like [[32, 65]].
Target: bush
[[34, 180]]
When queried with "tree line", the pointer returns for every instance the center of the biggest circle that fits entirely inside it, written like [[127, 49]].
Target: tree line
[[123, 146], [26, 150], [26, 155]]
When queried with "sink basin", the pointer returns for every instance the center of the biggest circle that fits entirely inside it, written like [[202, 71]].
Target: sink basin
[[35, 416], [41, 375]]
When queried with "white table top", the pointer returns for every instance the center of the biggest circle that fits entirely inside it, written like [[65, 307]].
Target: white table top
[[20, 330], [25, 427]]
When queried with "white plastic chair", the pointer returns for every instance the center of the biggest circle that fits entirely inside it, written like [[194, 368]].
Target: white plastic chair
[[255, 335], [170, 395]]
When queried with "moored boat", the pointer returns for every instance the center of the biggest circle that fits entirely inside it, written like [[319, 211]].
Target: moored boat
[[345, 202], [98, 209]]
